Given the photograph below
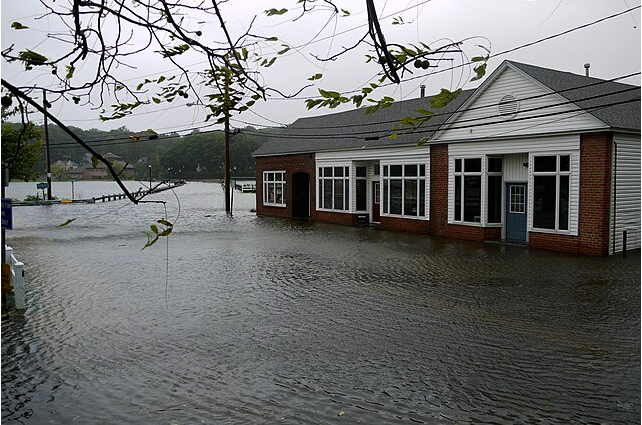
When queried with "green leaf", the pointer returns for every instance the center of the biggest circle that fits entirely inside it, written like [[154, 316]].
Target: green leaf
[[272, 39], [444, 98], [164, 222], [66, 223], [94, 161], [160, 79], [70, 71], [345, 12], [274, 12], [32, 58], [284, 50], [425, 112], [18, 26], [154, 228], [481, 71], [315, 77], [156, 100]]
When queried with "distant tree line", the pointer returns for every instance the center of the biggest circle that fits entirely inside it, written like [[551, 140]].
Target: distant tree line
[[196, 156]]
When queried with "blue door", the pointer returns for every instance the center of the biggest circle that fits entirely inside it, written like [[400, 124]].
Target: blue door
[[516, 211]]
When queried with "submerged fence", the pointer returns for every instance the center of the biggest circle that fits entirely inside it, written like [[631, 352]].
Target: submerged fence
[[17, 278]]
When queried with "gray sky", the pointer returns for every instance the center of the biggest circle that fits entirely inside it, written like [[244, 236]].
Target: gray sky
[[612, 47]]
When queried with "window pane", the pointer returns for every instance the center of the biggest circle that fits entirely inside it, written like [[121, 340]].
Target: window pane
[[338, 194], [472, 198], [410, 170], [327, 194], [544, 194], [457, 165], [517, 199], [565, 163], [545, 163], [395, 196], [362, 172], [362, 194], [338, 171], [385, 171], [422, 198], [395, 170], [494, 199], [346, 195], [422, 170], [472, 165], [386, 183], [564, 200], [320, 172], [327, 171], [458, 198], [410, 197], [278, 198], [321, 193], [347, 171], [494, 165], [270, 193]]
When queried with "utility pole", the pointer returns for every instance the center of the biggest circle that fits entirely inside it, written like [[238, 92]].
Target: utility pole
[[47, 155], [228, 208]]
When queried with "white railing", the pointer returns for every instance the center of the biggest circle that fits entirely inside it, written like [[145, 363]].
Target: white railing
[[17, 278]]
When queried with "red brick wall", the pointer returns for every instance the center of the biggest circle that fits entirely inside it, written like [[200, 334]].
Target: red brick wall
[[290, 164], [438, 189], [439, 203], [595, 197], [403, 225]]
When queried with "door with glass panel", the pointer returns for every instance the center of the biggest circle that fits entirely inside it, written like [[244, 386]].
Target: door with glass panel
[[516, 211]]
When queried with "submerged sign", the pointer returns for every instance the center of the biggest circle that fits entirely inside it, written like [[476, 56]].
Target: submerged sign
[[7, 214]]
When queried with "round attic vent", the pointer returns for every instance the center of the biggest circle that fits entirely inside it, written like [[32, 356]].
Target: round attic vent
[[508, 107]]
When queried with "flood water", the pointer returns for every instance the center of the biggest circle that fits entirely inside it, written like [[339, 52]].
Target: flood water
[[258, 320]]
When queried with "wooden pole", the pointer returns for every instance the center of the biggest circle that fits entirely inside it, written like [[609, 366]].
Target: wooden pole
[[47, 155]]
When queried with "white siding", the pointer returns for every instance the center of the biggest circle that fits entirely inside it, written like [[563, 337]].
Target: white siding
[[627, 193], [514, 169], [475, 121], [511, 146]]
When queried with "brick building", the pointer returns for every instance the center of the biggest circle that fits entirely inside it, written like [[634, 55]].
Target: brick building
[[538, 156]]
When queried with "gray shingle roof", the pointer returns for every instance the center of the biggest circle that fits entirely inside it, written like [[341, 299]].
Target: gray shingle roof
[[349, 129], [592, 94]]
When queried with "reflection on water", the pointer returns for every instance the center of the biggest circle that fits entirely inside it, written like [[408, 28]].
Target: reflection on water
[[260, 320]]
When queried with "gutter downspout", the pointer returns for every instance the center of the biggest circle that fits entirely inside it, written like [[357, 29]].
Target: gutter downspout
[[614, 192]]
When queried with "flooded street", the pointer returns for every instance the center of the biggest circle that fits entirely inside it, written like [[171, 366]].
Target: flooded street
[[259, 320]]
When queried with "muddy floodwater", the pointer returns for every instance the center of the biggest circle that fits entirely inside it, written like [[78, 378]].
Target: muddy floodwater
[[258, 320]]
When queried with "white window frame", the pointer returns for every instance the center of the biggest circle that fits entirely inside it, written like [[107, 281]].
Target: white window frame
[[385, 188], [557, 173], [322, 180], [482, 188], [281, 183]]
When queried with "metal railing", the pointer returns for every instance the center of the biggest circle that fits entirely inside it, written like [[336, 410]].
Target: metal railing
[[17, 278]]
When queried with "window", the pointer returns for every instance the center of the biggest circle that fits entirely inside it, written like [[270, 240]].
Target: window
[[361, 188], [551, 192], [274, 188], [404, 190], [494, 205], [517, 199], [468, 190], [334, 188]]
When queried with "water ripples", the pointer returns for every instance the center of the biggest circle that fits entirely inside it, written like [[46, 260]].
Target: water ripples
[[261, 320]]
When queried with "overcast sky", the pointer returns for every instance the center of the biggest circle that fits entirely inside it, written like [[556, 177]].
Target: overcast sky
[[612, 47]]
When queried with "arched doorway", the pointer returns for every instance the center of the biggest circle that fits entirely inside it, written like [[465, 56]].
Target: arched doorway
[[301, 195]]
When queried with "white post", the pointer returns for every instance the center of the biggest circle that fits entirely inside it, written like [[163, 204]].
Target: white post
[[7, 254], [18, 272]]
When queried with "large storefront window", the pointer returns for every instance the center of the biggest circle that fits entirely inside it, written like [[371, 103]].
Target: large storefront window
[[551, 180], [468, 190], [362, 188], [334, 188], [274, 188], [404, 190], [494, 205]]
